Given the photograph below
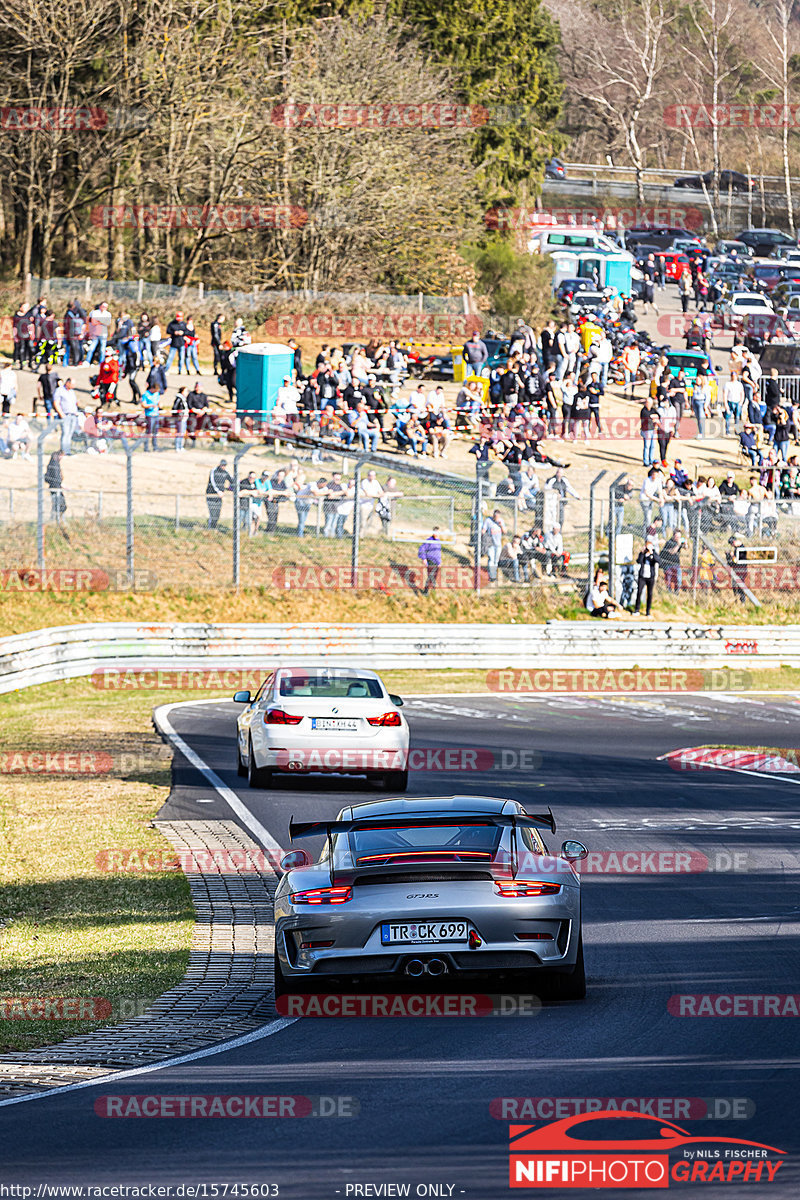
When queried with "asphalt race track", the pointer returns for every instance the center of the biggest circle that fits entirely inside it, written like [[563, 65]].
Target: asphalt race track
[[424, 1087]]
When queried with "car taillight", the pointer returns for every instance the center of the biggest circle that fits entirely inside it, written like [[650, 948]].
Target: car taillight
[[329, 895], [525, 887], [276, 716], [390, 718]]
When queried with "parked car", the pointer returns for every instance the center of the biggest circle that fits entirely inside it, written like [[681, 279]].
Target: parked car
[[568, 287], [741, 304], [764, 242], [733, 181], [731, 246], [767, 275]]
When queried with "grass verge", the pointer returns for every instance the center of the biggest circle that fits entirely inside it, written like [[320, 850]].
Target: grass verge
[[67, 928], [23, 611]]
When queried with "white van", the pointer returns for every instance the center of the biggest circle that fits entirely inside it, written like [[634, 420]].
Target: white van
[[572, 237]]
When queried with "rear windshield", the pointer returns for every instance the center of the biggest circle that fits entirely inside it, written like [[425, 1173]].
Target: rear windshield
[[461, 842], [333, 686]]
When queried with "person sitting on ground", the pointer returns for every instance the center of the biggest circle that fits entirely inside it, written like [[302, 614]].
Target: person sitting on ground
[[599, 603]]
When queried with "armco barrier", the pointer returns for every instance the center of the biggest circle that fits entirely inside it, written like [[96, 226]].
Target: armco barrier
[[71, 651]]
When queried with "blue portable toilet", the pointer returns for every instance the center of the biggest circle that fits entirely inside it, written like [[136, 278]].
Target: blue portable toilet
[[260, 371]]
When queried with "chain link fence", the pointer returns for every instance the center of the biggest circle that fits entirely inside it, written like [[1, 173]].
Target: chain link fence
[[281, 516]]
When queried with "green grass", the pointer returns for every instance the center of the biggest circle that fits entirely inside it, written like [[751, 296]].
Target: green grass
[[68, 928]]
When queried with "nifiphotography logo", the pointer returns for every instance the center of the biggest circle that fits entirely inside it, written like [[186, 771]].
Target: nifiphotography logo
[[613, 1149]]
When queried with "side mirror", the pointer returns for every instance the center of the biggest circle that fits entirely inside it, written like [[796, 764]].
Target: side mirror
[[241, 697], [396, 700], [295, 859], [573, 851]]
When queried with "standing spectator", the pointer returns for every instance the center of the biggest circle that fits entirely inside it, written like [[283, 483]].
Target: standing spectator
[[649, 293], [594, 390], [143, 328], [430, 552], [666, 418], [603, 352], [46, 386], [647, 424], [157, 376], [124, 333], [648, 560], [651, 493], [547, 339], [180, 415], [99, 326], [155, 342], [492, 542], [192, 342], [733, 402], [66, 407], [176, 332], [701, 402], [107, 380], [335, 494], [561, 485], [216, 341], [631, 359], [622, 493], [670, 558], [476, 354], [249, 504], [737, 568], [54, 480], [678, 396], [298, 359], [74, 331], [23, 337], [685, 289], [219, 481], [198, 412], [307, 493], [8, 388], [151, 399]]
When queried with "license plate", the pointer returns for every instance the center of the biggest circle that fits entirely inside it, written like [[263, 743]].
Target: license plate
[[336, 724], [415, 933]]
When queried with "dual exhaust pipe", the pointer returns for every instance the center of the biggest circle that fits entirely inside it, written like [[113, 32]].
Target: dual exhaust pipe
[[433, 966]]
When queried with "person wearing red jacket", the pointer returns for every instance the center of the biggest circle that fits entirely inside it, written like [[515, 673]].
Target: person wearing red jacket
[[107, 380]]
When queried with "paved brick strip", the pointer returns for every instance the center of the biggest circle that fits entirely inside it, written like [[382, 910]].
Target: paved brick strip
[[226, 991]]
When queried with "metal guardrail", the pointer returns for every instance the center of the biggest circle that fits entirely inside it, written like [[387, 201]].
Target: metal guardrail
[[74, 651], [657, 175]]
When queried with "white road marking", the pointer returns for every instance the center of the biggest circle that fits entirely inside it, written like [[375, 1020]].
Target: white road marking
[[162, 723], [254, 1036]]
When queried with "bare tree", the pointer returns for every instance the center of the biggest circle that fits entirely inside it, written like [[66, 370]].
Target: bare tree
[[615, 64]]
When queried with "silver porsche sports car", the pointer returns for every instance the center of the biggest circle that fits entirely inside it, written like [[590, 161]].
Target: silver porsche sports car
[[406, 887]]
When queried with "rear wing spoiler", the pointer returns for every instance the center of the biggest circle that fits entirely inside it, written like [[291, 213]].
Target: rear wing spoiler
[[327, 829], [512, 821]]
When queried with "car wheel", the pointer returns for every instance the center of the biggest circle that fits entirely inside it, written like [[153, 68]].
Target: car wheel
[[257, 777], [397, 781], [241, 769], [572, 986]]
